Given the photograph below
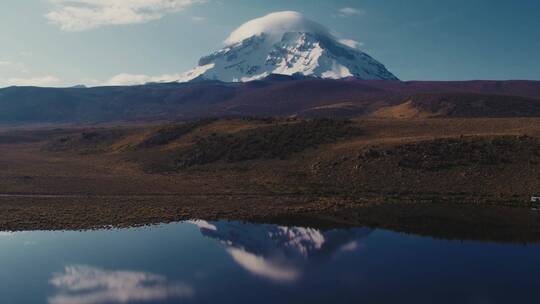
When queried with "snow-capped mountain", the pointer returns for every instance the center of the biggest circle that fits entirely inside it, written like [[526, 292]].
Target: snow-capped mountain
[[286, 43]]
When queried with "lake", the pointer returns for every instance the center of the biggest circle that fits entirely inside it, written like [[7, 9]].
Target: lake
[[233, 262]]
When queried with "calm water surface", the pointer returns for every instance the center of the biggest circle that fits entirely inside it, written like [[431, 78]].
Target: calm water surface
[[231, 262]]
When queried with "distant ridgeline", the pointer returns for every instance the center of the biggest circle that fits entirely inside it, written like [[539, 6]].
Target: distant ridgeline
[[276, 95]]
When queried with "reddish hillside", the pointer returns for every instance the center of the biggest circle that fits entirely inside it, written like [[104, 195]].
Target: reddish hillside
[[522, 88], [461, 105], [275, 96]]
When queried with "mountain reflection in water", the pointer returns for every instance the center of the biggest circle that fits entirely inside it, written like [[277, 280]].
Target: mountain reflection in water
[[233, 262], [280, 253]]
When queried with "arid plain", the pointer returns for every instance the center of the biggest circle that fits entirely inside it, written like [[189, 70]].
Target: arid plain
[[417, 175]]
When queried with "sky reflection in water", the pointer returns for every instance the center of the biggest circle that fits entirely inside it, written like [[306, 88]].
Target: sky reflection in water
[[231, 262]]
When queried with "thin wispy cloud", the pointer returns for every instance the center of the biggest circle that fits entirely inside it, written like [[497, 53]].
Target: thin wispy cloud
[[137, 79], [80, 15], [13, 66], [14, 73], [198, 18], [41, 81], [351, 43], [350, 11], [81, 284]]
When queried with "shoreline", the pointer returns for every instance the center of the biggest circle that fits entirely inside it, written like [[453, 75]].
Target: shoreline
[[441, 220]]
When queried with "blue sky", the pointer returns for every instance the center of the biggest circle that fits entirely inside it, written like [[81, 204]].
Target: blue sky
[[48, 42]]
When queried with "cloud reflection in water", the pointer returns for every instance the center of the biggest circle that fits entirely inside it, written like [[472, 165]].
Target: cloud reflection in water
[[263, 267], [80, 284]]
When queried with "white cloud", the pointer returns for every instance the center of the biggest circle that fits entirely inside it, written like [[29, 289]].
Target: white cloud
[[198, 18], [275, 25], [42, 81], [350, 11], [136, 79], [13, 66], [13, 73], [351, 43], [88, 285], [80, 15]]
